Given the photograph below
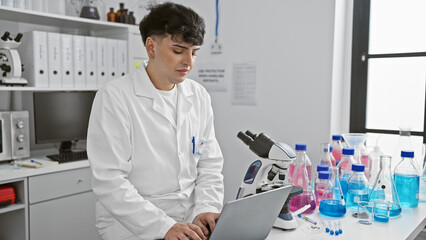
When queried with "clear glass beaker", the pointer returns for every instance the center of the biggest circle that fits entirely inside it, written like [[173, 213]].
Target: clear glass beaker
[[332, 201], [301, 177], [384, 187]]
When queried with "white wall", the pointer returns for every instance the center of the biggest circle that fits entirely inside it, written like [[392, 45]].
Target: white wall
[[291, 41]]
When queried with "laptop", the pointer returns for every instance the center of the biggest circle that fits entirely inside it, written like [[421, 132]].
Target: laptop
[[252, 217]]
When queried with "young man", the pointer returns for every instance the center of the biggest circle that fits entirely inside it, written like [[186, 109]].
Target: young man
[[151, 144]]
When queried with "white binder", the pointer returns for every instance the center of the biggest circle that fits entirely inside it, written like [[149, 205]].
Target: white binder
[[101, 61], [122, 57], [54, 59], [112, 59], [33, 52], [79, 64], [91, 73], [67, 61]]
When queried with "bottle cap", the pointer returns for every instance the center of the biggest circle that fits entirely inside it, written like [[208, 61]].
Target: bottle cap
[[358, 167], [348, 151], [409, 154], [331, 149], [322, 168], [324, 175], [337, 137], [301, 147]]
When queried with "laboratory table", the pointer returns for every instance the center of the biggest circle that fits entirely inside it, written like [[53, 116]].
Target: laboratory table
[[406, 226]]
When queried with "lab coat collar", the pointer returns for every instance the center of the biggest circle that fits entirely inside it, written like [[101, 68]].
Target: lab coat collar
[[144, 88]]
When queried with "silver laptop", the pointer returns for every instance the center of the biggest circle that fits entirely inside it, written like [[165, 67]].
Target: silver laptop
[[250, 218]]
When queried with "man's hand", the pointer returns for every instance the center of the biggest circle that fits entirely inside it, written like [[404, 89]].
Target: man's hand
[[204, 219], [184, 231]]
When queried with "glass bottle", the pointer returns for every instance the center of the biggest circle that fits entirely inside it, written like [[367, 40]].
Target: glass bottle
[[384, 187], [324, 180], [132, 19], [404, 144], [407, 180], [337, 147], [301, 177], [357, 187], [119, 12], [422, 195], [345, 168], [332, 202], [315, 178], [325, 155], [124, 18], [111, 15], [375, 162]]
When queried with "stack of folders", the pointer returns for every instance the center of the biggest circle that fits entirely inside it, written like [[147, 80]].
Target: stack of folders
[[56, 60]]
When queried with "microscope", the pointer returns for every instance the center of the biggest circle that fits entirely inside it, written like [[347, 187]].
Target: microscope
[[10, 62], [269, 172]]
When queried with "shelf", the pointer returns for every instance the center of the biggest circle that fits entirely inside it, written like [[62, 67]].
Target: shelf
[[12, 207], [38, 89], [56, 20]]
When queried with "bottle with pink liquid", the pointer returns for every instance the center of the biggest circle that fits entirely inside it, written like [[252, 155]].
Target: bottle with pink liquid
[[300, 170], [324, 182], [337, 147]]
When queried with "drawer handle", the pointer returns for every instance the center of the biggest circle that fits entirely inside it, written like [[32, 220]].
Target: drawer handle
[[79, 181]]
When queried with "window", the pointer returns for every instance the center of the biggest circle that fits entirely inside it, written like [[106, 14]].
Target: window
[[389, 68]]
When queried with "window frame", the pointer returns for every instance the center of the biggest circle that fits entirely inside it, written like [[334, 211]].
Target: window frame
[[359, 71]]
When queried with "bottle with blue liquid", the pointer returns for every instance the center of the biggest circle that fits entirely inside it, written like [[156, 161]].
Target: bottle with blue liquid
[[345, 168], [407, 180], [332, 202], [357, 187]]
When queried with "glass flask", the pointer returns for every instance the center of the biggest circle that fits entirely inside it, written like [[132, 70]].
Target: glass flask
[[301, 177], [375, 162], [324, 180], [332, 202], [337, 147], [407, 180], [384, 187], [357, 187], [422, 195], [345, 168], [326, 157], [404, 144]]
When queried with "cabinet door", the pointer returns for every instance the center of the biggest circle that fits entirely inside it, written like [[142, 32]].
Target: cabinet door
[[66, 218]]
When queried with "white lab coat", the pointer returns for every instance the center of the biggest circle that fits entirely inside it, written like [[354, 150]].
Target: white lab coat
[[145, 175]]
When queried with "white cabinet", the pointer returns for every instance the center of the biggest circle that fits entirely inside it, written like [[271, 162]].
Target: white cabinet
[[62, 206]]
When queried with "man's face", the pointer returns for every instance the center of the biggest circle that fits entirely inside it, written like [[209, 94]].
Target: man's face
[[173, 59]]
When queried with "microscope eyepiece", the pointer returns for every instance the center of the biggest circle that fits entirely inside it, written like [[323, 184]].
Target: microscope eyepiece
[[246, 139], [5, 36], [18, 37]]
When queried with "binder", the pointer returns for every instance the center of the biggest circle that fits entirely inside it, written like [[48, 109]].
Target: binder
[[33, 52], [54, 59], [79, 60], [101, 60], [91, 73], [122, 57], [112, 59], [67, 61]]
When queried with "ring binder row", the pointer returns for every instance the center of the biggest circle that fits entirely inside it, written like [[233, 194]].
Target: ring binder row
[[71, 61]]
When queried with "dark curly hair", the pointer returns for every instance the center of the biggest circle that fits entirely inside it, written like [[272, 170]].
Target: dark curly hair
[[181, 22]]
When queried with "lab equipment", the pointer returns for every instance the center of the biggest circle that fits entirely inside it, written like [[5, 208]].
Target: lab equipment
[[404, 144], [270, 172], [302, 177], [422, 195], [345, 166], [384, 187], [330, 225], [365, 212], [324, 182], [327, 229], [336, 228], [89, 10], [62, 117], [407, 180], [357, 142], [10, 62], [340, 227], [375, 161], [357, 187], [307, 219], [381, 211], [332, 203], [326, 158], [14, 135], [315, 178], [337, 147]]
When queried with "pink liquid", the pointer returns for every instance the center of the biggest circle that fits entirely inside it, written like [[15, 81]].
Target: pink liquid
[[300, 173], [318, 194], [301, 200], [364, 160], [333, 162], [337, 154]]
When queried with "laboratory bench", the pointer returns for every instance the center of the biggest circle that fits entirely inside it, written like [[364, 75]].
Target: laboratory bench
[[406, 226], [52, 202]]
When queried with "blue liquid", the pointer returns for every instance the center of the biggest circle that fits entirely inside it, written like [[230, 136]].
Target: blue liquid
[[344, 184], [408, 187], [355, 196], [381, 218], [332, 208]]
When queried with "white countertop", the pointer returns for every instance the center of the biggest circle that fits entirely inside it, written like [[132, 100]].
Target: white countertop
[[406, 226]]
